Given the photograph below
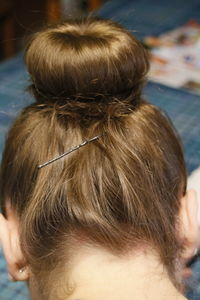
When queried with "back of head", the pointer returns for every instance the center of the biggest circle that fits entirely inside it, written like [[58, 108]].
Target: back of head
[[120, 191]]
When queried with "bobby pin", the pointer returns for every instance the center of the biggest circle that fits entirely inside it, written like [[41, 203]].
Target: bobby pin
[[68, 152]]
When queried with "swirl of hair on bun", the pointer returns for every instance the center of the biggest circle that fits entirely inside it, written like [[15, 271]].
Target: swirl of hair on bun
[[87, 68]]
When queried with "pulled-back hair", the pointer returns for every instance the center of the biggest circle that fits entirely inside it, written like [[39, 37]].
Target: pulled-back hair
[[122, 190]]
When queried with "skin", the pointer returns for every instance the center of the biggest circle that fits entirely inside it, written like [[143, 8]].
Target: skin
[[99, 275]]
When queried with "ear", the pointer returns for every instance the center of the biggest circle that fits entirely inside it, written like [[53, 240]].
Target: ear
[[188, 224], [9, 236]]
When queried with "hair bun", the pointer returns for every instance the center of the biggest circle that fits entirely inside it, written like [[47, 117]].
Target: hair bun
[[89, 67]]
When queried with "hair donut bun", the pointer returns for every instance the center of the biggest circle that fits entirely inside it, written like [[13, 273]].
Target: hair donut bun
[[93, 68]]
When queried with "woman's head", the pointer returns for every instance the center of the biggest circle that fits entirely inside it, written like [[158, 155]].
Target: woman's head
[[120, 191]]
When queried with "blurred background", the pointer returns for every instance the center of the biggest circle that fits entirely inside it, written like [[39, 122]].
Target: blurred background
[[18, 18]]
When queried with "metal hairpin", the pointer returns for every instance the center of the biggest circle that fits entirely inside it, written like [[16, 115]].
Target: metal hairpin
[[68, 152]]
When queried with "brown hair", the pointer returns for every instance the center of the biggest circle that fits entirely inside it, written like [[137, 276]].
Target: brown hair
[[121, 190]]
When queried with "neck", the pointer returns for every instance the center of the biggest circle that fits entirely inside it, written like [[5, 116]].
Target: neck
[[99, 275]]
